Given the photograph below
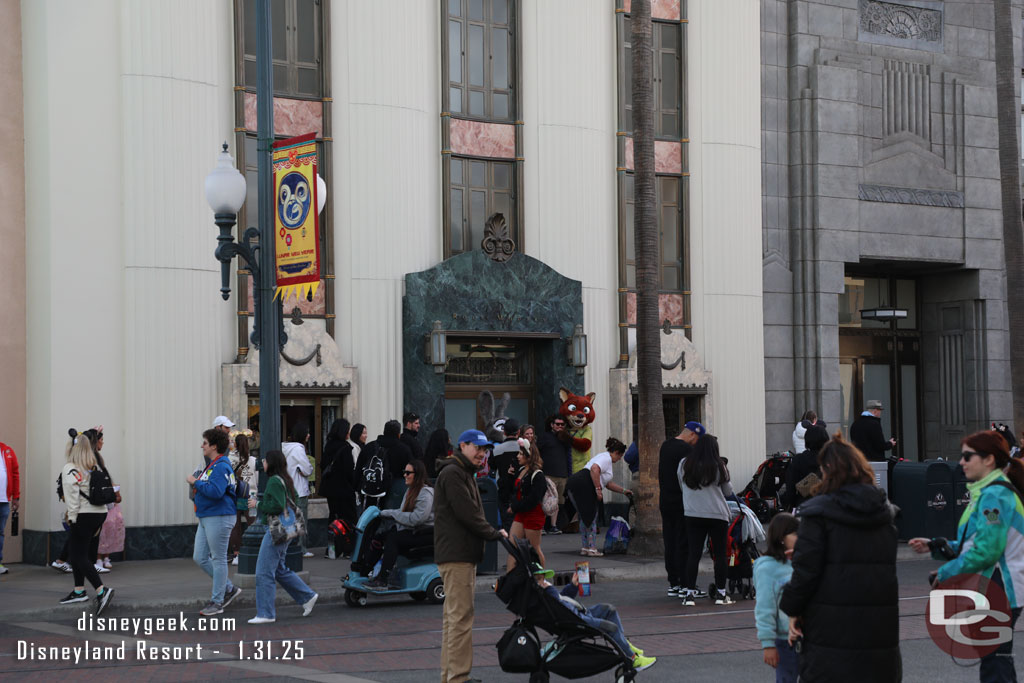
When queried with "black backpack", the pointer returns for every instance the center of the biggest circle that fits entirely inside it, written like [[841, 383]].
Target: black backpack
[[377, 474], [101, 489]]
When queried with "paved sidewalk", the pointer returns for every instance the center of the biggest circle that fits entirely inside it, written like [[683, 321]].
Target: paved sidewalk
[[178, 584]]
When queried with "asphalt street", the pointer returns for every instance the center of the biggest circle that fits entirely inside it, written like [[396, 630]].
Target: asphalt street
[[398, 640]]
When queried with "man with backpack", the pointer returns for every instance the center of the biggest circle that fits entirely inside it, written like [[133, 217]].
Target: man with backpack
[[411, 433], [505, 466], [670, 502], [380, 466]]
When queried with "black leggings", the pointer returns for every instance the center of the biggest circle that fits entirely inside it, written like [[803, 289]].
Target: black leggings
[[697, 531], [82, 533], [397, 542]]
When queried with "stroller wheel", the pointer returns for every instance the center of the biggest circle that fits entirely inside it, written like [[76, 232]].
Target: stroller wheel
[[540, 677], [355, 598], [418, 596], [435, 591], [625, 674]]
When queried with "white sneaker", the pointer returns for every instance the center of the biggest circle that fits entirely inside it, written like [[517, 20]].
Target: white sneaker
[[100, 569], [673, 591], [262, 620], [307, 606], [723, 598], [107, 564], [3, 569], [307, 554], [687, 598], [61, 566], [234, 561]]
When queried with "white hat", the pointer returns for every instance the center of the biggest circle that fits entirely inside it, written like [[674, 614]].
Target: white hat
[[222, 421]]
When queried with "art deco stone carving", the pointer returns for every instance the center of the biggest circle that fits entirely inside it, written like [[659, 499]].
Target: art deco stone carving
[[497, 242], [891, 23], [909, 195]]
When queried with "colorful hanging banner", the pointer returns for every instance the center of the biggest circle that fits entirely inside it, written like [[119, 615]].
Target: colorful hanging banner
[[296, 219]]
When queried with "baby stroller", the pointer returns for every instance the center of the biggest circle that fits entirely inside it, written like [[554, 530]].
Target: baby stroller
[[578, 649], [745, 531], [763, 493]]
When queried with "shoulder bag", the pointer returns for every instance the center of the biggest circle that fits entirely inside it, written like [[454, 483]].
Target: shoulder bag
[[287, 525]]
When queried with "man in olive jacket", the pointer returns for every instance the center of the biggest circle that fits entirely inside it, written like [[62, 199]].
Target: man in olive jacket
[[460, 531]]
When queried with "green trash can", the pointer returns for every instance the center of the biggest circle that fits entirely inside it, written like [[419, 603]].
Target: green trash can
[[489, 496]]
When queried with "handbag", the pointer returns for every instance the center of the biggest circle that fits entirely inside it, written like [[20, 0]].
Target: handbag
[[550, 501], [287, 525], [519, 650]]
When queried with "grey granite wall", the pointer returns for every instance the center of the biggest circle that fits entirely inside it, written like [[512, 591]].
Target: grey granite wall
[[879, 150], [470, 292]]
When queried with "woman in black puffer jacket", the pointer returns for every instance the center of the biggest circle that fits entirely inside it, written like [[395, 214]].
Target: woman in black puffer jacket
[[843, 597]]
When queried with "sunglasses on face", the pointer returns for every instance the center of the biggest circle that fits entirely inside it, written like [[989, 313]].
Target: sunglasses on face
[[967, 455], [558, 424], [408, 473]]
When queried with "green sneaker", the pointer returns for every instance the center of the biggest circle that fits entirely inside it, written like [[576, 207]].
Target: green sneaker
[[637, 651], [640, 662]]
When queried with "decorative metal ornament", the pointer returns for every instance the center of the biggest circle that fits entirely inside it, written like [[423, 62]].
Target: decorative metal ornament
[[497, 242]]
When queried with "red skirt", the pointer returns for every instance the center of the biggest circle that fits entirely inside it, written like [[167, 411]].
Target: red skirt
[[531, 519]]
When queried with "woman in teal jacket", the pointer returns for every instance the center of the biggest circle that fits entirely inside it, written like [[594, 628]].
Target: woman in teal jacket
[[990, 534]]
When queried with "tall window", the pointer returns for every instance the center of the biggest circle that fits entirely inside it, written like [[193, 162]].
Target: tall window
[[480, 59], [670, 227], [668, 79], [478, 189], [296, 46]]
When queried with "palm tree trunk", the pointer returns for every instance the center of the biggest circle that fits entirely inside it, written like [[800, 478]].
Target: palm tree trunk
[[648, 341], [1007, 75]]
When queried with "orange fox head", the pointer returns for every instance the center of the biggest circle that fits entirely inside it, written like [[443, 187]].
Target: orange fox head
[[578, 411]]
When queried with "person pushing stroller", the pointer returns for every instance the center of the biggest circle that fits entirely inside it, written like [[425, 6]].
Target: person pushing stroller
[[601, 616]]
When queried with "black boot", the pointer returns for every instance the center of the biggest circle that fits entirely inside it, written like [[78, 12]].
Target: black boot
[[379, 582]]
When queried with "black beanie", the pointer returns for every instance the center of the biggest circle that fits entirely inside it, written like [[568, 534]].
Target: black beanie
[[815, 438]]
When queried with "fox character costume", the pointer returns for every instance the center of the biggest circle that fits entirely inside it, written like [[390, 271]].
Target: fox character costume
[[578, 412]]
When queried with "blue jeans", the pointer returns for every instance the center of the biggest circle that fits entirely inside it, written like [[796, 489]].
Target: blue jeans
[[5, 511], [270, 567], [607, 613], [211, 552], [788, 669]]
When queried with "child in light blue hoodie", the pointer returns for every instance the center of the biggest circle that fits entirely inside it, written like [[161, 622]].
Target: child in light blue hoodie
[[771, 573]]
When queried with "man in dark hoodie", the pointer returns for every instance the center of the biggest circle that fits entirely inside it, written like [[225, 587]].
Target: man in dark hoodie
[[460, 531], [504, 465], [411, 434], [799, 477], [670, 503], [843, 597]]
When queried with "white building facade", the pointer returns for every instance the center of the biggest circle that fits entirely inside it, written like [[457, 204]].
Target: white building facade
[[431, 116]]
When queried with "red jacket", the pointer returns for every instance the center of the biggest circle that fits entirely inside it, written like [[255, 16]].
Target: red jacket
[[11, 462]]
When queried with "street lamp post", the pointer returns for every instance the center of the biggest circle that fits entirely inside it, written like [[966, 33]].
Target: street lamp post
[[226, 193]]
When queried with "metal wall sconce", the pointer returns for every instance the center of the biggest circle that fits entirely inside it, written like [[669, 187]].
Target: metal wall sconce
[[576, 349], [883, 314], [437, 348]]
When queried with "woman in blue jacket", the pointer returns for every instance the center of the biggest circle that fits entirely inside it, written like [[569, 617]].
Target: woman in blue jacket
[[990, 533], [215, 507]]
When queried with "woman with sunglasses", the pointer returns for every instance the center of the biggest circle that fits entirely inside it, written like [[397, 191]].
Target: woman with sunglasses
[[989, 535], [413, 524]]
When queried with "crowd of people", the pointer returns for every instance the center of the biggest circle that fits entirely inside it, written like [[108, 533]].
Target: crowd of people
[[826, 585]]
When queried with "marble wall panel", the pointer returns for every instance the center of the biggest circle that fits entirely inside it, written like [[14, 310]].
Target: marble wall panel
[[476, 138], [291, 117], [670, 307], [661, 9], [667, 156], [472, 292]]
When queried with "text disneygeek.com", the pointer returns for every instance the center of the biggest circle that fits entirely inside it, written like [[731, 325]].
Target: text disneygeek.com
[[143, 650]]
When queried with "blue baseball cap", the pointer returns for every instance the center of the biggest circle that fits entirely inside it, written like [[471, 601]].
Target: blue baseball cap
[[475, 437], [695, 427]]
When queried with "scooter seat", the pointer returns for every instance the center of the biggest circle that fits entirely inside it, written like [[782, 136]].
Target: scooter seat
[[423, 552]]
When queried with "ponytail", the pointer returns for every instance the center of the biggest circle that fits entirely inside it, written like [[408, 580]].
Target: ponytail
[[1014, 471]]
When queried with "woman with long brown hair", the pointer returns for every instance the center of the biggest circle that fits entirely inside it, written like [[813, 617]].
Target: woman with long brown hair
[[414, 523], [842, 599], [527, 495], [989, 535], [270, 566]]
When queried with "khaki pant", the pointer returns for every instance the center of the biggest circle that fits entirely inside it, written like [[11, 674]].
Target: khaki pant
[[457, 625]]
